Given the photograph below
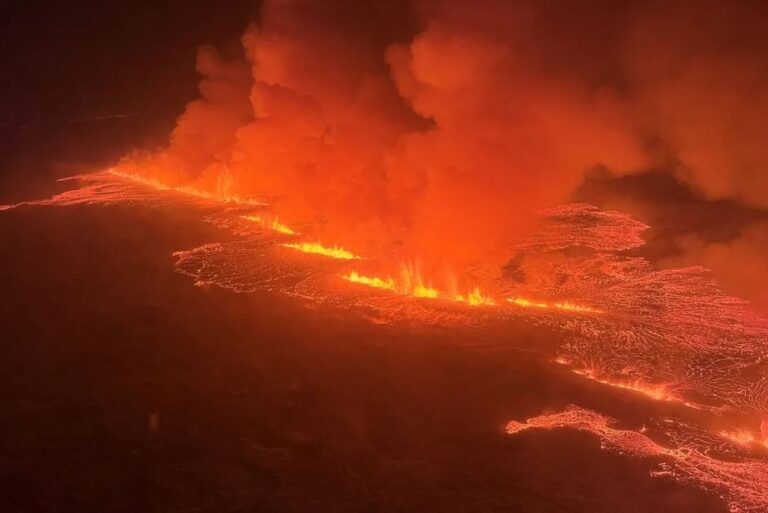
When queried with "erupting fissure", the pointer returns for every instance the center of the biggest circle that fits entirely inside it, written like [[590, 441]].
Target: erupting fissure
[[657, 392], [413, 286], [370, 281], [272, 224], [318, 249], [187, 189], [561, 305]]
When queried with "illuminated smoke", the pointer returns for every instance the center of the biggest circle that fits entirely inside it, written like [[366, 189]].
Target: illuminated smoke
[[436, 129], [400, 128]]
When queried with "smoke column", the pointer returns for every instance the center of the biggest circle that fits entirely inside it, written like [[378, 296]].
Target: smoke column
[[435, 130]]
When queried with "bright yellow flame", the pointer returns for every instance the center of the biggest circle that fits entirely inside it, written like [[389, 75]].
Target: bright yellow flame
[[406, 288], [526, 303], [318, 249], [476, 298], [424, 291], [370, 281], [274, 225], [411, 285]]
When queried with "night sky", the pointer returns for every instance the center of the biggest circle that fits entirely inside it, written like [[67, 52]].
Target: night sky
[[66, 64]]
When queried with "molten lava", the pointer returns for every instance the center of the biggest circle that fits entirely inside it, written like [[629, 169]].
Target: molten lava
[[411, 285], [742, 480], [475, 298], [526, 303], [405, 287], [424, 291], [563, 305], [656, 392], [318, 249], [188, 190], [354, 277], [272, 224]]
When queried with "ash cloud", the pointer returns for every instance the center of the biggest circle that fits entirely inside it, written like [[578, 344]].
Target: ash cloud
[[436, 129]]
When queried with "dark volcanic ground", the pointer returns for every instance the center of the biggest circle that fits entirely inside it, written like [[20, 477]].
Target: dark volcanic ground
[[124, 389]]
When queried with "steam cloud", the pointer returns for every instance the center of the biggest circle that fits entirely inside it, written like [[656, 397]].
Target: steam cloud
[[436, 128]]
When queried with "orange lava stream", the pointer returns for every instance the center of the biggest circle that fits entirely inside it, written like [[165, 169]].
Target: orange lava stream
[[411, 285], [354, 277], [318, 249], [185, 189], [563, 305], [743, 483], [656, 392], [273, 224]]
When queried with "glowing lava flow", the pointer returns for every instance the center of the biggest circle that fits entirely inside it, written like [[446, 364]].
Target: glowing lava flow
[[476, 298], [407, 287], [742, 480], [273, 225], [411, 285], [656, 392], [425, 292], [318, 249], [526, 303], [378, 283], [185, 189], [564, 305]]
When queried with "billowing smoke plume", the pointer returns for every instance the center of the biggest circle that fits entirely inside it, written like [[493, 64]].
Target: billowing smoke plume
[[701, 78], [437, 128]]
